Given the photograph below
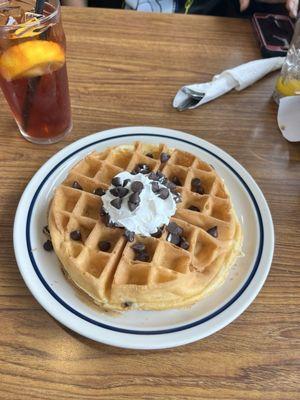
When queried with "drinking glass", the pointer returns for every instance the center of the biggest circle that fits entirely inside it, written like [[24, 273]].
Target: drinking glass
[[288, 83], [33, 73]]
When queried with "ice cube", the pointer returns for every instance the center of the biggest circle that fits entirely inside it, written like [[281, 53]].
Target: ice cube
[[11, 21], [15, 11]]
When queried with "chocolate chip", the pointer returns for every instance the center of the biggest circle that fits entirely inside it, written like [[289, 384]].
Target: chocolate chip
[[104, 245], [116, 181], [142, 256], [199, 190], [75, 235], [158, 233], [161, 178], [150, 155], [173, 238], [163, 193], [129, 235], [102, 212], [75, 185], [170, 185], [177, 198], [193, 208], [46, 230], [196, 182], [132, 206], [119, 191], [127, 304], [115, 191], [99, 191], [197, 186], [153, 176], [48, 246], [106, 219], [137, 186], [164, 157], [126, 181], [123, 191], [155, 187], [138, 247], [184, 244], [109, 223], [174, 228], [142, 169], [213, 231], [116, 203], [134, 198], [176, 181]]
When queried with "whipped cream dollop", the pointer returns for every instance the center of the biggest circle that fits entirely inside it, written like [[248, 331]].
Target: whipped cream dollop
[[151, 212]]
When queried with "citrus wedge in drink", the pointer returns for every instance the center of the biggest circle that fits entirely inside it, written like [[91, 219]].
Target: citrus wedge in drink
[[30, 59], [288, 87]]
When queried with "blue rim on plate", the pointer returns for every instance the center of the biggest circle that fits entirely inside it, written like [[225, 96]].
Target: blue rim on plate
[[145, 332]]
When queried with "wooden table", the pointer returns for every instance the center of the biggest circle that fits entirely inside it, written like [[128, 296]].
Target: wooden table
[[124, 69]]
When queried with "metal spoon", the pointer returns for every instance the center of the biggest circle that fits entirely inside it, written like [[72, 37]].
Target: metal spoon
[[193, 93], [187, 104], [191, 101]]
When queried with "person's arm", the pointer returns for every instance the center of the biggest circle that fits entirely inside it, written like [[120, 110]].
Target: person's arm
[[74, 3], [291, 5]]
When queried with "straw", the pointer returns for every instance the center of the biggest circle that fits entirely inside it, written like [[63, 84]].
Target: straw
[[39, 6], [32, 82]]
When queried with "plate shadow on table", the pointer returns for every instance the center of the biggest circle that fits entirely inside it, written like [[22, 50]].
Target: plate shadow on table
[[105, 348]]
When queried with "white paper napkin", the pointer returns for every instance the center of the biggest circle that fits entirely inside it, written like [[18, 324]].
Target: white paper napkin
[[288, 118], [236, 78]]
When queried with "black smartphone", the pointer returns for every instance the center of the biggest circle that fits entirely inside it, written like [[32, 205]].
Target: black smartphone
[[274, 33]]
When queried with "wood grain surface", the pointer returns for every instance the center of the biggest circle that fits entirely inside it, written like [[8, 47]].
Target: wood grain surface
[[124, 69]]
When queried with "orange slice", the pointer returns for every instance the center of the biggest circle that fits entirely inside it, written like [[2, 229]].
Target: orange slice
[[288, 87], [30, 59], [28, 29]]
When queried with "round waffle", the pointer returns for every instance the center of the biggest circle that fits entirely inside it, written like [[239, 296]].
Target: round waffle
[[172, 276]]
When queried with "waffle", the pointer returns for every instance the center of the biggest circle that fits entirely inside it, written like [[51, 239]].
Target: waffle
[[172, 277]]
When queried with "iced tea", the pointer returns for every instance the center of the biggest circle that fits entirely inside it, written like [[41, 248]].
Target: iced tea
[[33, 74]]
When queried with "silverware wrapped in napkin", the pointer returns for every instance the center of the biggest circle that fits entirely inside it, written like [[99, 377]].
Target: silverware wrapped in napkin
[[238, 78]]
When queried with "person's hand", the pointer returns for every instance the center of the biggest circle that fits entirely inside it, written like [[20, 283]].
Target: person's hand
[[291, 6]]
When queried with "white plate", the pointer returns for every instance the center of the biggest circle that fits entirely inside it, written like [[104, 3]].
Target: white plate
[[143, 329]]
